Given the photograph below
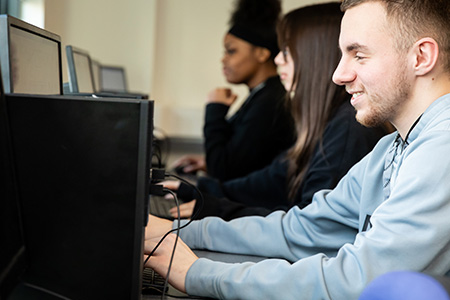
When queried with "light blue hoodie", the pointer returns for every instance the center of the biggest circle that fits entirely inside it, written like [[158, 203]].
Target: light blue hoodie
[[368, 225]]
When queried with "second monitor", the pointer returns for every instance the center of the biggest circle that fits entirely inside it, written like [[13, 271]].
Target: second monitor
[[30, 58], [112, 79], [81, 79], [82, 71]]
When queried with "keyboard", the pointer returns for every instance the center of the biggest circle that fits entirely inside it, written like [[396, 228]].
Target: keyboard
[[152, 282], [160, 206]]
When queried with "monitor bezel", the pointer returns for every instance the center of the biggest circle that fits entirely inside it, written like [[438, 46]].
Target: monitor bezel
[[96, 65], [6, 22], [71, 68]]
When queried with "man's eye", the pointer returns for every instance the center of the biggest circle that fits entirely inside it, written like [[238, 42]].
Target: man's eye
[[359, 57]]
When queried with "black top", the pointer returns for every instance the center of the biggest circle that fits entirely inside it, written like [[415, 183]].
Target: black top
[[345, 142], [259, 131]]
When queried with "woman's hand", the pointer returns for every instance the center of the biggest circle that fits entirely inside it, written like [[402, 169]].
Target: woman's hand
[[222, 96], [172, 185], [190, 163], [186, 210]]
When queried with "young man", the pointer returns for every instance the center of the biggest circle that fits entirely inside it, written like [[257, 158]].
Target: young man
[[390, 212]]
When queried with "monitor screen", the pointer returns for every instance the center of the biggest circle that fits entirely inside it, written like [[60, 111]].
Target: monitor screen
[[80, 72], [30, 58], [112, 79]]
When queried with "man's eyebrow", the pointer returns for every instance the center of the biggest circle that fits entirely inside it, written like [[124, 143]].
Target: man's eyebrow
[[356, 47]]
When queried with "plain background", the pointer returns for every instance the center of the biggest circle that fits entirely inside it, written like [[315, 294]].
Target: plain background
[[171, 49]]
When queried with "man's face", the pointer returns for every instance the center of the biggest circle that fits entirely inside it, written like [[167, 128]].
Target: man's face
[[371, 68]]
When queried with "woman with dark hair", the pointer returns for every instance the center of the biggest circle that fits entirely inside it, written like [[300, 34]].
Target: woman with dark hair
[[329, 139], [262, 128], [317, 103]]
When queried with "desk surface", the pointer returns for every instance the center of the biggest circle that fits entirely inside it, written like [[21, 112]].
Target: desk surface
[[216, 256], [227, 257]]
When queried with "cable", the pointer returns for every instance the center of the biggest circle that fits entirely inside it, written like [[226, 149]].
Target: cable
[[163, 140], [157, 175], [166, 282], [175, 229], [201, 200], [157, 155]]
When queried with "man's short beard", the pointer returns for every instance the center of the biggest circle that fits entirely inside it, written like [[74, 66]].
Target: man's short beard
[[386, 106], [375, 119]]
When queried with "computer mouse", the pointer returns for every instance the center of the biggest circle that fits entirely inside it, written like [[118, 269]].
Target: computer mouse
[[180, 170]]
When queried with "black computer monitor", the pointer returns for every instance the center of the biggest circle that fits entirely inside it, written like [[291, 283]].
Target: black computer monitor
[[30, 58], [81, 79], [12, 259], [113, 79], [82, 168]]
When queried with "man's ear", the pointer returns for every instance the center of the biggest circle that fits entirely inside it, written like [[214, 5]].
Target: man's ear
[[262, 54], [426, 53]]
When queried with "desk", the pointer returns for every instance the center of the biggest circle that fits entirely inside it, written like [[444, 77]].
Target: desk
[[227, 257], [216, 256]]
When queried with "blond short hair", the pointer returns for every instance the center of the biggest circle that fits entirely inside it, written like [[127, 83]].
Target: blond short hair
[[416, 19]]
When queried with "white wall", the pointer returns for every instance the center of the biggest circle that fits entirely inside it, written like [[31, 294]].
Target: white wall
[[171, 49], [112, 31]]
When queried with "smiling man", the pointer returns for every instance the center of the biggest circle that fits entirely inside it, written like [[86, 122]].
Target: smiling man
[[390, 212], [390, 72], [372, 59]]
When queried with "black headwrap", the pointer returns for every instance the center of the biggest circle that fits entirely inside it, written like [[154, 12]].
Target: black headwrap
[[255, 21], [253, 37]]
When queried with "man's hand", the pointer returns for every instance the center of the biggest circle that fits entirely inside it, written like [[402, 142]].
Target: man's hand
[[157, 227], [183, 260]]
